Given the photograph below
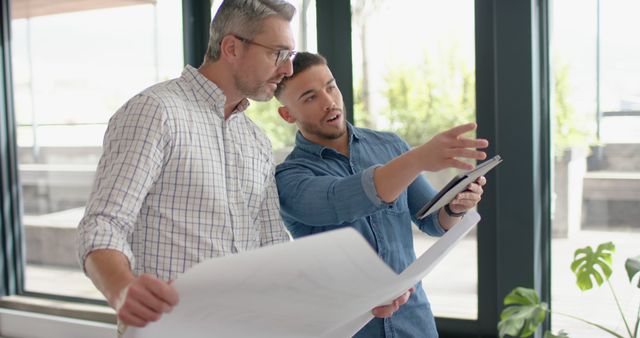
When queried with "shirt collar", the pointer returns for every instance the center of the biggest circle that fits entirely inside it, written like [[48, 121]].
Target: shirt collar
[[319, 150], [354, 133], [208, 91]]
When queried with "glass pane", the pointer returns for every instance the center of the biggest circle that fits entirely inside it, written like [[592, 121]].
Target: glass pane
[[73, 68], [414, 75], [596, 173]]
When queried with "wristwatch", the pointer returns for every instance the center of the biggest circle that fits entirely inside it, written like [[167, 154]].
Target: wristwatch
[[451, 213]]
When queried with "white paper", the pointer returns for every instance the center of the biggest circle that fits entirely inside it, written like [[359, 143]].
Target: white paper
[[318, 286]]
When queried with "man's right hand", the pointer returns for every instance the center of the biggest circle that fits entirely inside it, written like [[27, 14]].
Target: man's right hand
[[137, 300], [145, 299], [444, 150]]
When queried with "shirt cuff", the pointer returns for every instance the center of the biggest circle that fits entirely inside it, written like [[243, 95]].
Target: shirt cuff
[[369, 187], [437, 226], [89, 241]]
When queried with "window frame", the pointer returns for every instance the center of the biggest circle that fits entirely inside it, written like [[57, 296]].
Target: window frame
[[512, 92], [22, 304], [517, 199]]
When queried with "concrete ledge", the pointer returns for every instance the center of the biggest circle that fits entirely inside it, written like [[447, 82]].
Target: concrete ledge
[[612, 186], [51, 238], [15, 323], [46, 306]]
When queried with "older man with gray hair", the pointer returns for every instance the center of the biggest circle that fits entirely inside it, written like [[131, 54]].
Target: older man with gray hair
[[185, 175]]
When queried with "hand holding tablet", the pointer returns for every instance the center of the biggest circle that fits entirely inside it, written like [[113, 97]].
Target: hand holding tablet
[[458, 184]]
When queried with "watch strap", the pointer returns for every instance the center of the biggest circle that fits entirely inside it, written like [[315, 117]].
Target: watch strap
[[451, 213]]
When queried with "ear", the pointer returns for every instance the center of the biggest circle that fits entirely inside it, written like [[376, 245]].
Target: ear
[[286, 115], [230, 48]]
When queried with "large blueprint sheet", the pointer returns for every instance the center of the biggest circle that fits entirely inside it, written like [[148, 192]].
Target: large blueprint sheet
[[318, 286]]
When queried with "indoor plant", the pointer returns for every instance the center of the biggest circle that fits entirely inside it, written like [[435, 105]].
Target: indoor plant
[[524, 312]]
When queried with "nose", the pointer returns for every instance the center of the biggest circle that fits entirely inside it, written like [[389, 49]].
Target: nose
[[286, 68], [329, 103]]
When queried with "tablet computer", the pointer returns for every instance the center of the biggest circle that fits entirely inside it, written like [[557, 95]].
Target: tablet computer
[[458, 184]]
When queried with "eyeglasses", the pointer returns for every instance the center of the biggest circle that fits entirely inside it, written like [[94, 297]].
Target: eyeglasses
[[282, 55]]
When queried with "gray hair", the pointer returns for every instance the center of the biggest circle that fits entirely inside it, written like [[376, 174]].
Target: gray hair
[[245, 18]]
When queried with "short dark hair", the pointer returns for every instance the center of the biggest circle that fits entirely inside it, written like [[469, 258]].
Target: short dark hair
[[301, 62]]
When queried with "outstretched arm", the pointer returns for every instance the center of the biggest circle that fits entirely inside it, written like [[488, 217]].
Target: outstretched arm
[[320, 200], [441, 152]]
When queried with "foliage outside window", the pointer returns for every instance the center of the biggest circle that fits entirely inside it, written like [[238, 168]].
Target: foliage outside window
[[425, 99], [570, 130], [265, 115]]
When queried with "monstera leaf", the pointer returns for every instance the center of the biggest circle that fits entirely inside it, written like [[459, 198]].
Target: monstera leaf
[[523, 314], [632, 265], [560, 334], [586, 262]]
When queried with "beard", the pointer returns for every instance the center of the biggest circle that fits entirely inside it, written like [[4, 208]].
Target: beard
[[261, 91], [325, 132]]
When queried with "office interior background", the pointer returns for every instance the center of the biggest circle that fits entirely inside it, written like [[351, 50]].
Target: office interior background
[[553, 84]]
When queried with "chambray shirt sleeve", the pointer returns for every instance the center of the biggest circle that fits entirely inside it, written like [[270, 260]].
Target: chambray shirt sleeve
[[272, 228], [133, 152], [322, 200], [419, 193]]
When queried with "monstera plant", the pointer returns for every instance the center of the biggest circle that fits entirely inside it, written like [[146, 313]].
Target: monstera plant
[[524, 311]]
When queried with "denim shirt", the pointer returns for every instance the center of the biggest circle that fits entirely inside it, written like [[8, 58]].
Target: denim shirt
[[321, 190]]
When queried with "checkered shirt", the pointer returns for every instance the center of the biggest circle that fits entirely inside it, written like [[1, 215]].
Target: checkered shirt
[[178, 184]]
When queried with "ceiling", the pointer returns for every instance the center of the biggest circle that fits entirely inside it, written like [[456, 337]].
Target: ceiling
[[21, 9]]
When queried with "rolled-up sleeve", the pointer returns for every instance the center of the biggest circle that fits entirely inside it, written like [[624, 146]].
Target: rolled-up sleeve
[[321, 200], [132, 159]]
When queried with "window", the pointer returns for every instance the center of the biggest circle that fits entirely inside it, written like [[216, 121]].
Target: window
[[414, 74], [596, 183], [73, 67]]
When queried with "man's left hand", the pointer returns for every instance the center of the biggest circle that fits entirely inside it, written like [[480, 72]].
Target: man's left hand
[[384, 311], [469, 198]]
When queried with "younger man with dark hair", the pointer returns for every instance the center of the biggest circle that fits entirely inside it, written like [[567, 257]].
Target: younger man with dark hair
[[339, 175]]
